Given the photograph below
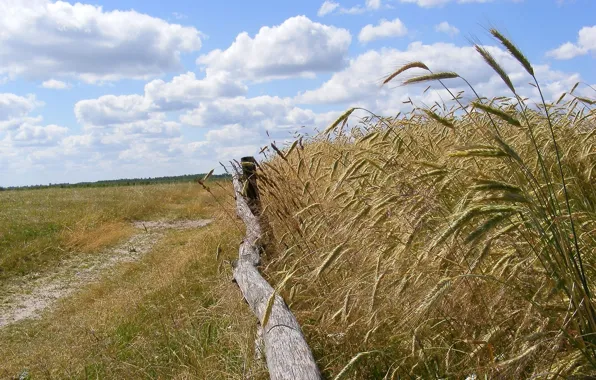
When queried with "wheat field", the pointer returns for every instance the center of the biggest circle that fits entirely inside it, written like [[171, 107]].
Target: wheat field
[[450, 241]]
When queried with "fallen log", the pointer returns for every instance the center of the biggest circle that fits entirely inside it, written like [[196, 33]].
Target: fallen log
[[287, 354]]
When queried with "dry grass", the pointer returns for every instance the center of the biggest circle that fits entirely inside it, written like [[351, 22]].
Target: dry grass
[[97, 238], [174, 314], [39, 228], [447, 242]]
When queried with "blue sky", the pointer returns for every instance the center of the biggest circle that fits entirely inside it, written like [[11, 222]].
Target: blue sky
[[111, 89]]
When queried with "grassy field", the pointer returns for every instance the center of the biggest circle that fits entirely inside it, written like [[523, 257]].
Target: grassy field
[[39, 228], [173, 314]]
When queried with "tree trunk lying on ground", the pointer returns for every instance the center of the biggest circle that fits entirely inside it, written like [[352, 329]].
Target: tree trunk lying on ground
[[287, 354]]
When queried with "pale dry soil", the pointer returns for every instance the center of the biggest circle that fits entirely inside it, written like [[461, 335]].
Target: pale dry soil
[[28, 297]]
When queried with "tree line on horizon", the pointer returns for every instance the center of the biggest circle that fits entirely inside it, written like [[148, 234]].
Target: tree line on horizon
[[122, 182]]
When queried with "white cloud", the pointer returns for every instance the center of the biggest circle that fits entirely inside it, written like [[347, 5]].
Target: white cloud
[[297, 47], [184, 91], [35, 135], [586, 42], [43, 154], [445, 27], [110, 109], [427, 3], [437, 3], [156, 128], [42, 39], [14, 108], [233, 135], [384, 29], [179, 16], [360, 83], [567, 51], [241, 126], [358, 9], [19, 129], [373, 4], [263, 112], [127, 132], [332, 6], [327, 7], [55, 84]]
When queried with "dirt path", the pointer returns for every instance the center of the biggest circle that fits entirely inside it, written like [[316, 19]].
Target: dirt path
[[31, 295]]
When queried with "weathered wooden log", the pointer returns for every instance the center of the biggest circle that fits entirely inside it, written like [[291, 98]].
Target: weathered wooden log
[[287, 354]]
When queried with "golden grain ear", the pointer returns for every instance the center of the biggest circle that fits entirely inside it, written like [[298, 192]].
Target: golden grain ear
[[404, 68], [206, 177], [279, 152], [292, 147], [586, 100], [351, 363], [515, 52], [438, 118], [490, 60], [337, 251], [340, 119], [497, 112], [431, 77]]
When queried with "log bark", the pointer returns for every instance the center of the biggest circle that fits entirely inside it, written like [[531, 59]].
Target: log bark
[[287, 353]]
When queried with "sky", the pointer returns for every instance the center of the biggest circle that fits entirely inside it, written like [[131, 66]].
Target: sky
[[129, 88]]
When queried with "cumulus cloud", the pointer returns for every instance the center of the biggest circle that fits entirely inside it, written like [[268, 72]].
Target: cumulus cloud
[[384, 29], [327, 7], [126, 130], [297, 47], [179, 16], [438, 3], [445, 27], [359, 83], [156, 128], [586, 43], [36, 135], [19, 129], [427, 3], [112, 109], [332, 6], [233, 134], [373, 4], [241, 126], [42, 39], [264, 112], [55, 84], [14, 108], [184, 91], [122, 150]]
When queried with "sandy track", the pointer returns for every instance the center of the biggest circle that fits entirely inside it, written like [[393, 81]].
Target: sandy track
[[31, 295]]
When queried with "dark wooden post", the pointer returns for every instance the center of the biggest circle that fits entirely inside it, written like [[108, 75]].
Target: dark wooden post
[[287, 354], [249, 177]]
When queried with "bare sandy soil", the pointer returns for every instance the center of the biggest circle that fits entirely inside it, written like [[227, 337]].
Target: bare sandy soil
[[31, 295]]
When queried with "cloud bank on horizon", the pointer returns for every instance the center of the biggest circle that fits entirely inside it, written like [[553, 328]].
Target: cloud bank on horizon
[[91, 92]]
